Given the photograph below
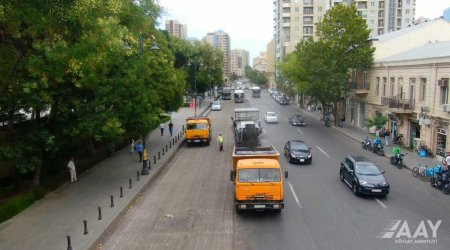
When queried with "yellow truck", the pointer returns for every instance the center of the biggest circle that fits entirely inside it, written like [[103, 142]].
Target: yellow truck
[[198, 130], [258, 179]]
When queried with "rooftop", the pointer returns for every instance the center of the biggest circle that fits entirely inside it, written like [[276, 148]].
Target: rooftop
[[431, 50]]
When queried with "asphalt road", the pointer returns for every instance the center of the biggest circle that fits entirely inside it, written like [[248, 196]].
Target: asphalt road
[[190, 206]]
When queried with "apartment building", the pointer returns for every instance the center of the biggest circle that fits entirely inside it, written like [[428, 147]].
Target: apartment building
[[408, 83], [238, 60], [260, 63], [270, 69], [220, 39], [176, 29]]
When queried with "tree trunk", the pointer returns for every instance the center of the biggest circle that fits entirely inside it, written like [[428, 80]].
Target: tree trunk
[[37, 175], [91, 147]]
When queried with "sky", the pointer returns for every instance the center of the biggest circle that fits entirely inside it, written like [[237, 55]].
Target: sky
[[249, 23]]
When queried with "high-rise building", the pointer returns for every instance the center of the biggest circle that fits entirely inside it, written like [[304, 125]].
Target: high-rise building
[[220, 39], [176, 29], [239, 59], [294, 20], [270, 69]]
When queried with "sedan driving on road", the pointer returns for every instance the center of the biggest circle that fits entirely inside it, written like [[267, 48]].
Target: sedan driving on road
[[297, 120], [271, 117], [297, 151], [216, 105], [363, 176]]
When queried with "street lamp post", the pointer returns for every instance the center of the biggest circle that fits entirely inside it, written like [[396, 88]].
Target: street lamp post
[[195, 64]]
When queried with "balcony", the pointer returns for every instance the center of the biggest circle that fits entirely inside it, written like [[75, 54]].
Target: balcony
[[360, 88], [397, 104]]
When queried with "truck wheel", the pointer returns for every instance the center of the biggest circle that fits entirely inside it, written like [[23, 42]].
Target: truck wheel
[[238, 211], [277, 211], [207, 143]]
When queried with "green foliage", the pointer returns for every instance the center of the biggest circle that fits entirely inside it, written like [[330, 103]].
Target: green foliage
[[255, 76], [378, 121], [319, 69], [18, 203]]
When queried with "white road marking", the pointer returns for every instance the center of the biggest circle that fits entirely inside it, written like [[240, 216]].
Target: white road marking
[[325, 153], [295, 196], [381, 203], [301, 132]]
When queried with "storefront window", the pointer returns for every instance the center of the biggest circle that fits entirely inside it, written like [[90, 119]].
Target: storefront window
[[441, 141]]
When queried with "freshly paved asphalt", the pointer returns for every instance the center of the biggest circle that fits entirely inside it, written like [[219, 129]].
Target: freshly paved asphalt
[[188, 204]]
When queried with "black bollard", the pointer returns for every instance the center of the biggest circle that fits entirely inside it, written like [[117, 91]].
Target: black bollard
[[149, 165], [154, 159], [159, 155], [99, 213], [85, 227], [137, 175], [121, 192], [69, 245], [130, 186], [145, 168], [112, 201], [163, 151], [176, 139]]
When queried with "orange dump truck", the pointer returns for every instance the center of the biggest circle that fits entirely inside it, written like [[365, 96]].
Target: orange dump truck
[[198, 130], [258, 179]]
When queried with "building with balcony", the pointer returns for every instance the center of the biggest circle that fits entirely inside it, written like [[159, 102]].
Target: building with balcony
[[238, 60], [408, 83], [220, 39], [176, 29]]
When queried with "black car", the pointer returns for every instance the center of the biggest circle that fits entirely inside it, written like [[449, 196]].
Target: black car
[[297, 120], [297, 151], [363, 176], [283, 101]]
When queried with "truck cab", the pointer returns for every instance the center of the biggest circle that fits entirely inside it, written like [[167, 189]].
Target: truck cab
[[198, 130], [258, 179]]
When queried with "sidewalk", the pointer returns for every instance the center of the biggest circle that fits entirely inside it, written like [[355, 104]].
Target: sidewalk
[[410, 160], [46, 224]]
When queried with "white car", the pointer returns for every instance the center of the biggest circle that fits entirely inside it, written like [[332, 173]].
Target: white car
[[271, 117], [216, 105]]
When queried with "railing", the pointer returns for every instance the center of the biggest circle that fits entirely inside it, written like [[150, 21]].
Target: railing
[[398, 102], [355, 85]]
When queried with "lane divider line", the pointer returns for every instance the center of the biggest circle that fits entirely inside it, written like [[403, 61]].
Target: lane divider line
[[321, 150], [301, 132], [295, 196], [381, 203]]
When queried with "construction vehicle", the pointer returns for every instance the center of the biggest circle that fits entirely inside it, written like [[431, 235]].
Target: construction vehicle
[[258, 179], [247, 127], [198, 130]]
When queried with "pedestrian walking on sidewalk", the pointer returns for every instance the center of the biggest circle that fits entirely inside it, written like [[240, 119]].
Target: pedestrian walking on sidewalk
[[161, 127], [132, 146], [170, 128], [140, 148], [72, 170], [387, 135]]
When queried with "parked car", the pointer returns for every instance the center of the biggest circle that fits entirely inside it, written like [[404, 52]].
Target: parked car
[[283, 100], [216, 105], [297, 151], [271, 117], [363, 176], [297, 120]]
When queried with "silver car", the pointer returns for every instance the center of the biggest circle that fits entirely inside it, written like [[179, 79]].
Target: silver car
[[216, 106], [271, 117]]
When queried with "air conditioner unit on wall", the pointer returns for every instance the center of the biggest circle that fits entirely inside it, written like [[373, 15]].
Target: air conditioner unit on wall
[[446, 107]]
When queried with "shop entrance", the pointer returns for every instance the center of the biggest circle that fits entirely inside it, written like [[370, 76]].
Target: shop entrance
[[441, 141]]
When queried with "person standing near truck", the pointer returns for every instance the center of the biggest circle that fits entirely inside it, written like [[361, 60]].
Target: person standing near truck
[[220, 141]]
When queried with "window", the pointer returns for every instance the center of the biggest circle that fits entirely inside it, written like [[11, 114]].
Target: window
[[407, 11], [377, 90], [308, 20], [372, 3], [408, 2], [297, 9], [319, 9], [259, 175], [444, 94], [372, 22], [308, 30], [308, 10], [319, 18], [384, 86], [297, 19], [366, 80], [392, 86], [412, 85], [406, 20], [423, 89], [400, 87]]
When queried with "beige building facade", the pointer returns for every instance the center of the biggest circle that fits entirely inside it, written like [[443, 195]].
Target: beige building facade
[[260, 63], [409, 84], [238, 60], [270, 69]]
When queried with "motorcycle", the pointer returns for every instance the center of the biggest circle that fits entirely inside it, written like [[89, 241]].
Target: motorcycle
[[397, 160], [367, 143], [437, 179], [398, 139], [446, 183], [378, 149]]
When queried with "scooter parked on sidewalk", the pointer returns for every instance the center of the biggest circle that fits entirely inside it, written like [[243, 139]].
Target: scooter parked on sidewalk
[[367, 143], [437, 181], [446, 183]]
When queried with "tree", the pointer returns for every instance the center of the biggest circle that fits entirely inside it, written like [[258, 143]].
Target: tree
[[378, 121]]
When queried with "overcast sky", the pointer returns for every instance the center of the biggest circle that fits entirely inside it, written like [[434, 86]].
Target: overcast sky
[[248, 22]]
